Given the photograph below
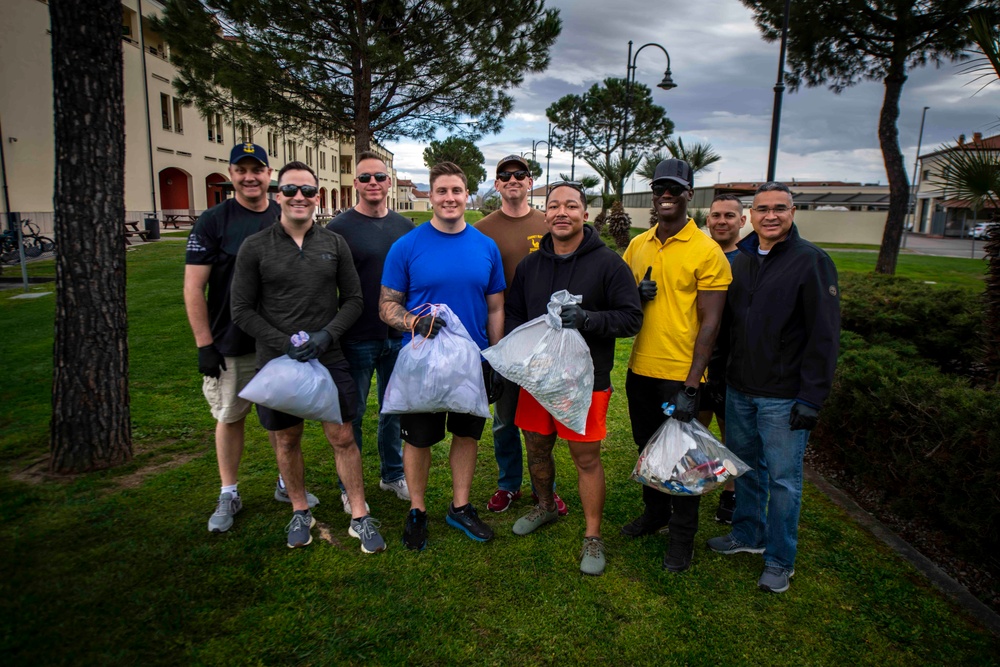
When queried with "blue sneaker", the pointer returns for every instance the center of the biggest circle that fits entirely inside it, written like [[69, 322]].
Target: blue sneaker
[[467, 520], [299, 528], [775, 579], [281, 495], [727, 544], [366, 530]]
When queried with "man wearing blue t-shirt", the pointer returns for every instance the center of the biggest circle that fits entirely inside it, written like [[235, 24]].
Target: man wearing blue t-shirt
[[444, 262]]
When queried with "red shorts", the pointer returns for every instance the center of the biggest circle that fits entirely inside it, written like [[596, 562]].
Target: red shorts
[[531, 416]]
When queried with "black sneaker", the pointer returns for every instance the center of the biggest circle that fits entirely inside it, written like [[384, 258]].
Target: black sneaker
[[678, 556], [644, 525], [467, 520], [727, 504], [415, 530]]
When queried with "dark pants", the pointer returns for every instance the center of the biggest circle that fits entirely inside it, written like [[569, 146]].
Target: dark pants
[[646, 397]]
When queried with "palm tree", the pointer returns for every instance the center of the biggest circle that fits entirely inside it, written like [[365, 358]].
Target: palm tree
[[589, 182], [614, 171], [700, 156]]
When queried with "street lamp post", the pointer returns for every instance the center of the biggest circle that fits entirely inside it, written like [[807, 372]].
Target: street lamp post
[[666, 84], [779, 88], [913, 180], [548, 157]]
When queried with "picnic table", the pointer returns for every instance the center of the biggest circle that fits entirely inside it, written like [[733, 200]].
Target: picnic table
[[178, 219], [132, 229]]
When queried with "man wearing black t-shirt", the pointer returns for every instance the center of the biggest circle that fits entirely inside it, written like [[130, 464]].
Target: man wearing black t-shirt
[[225, 353], [371, 346]]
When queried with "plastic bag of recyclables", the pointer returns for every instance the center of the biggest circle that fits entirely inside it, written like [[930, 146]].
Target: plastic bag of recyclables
[[303, 389], [551, 363], [685, 459], [440, 374]]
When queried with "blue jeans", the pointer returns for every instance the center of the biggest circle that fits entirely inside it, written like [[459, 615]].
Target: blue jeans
[[377, 357], [507, 440], [769, 497]]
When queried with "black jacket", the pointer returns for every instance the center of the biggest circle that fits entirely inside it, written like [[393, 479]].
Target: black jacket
[[786, 321], [594, 271]]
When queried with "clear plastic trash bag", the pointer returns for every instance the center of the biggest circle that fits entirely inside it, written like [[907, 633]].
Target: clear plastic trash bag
[[304, 389], [551, 363], [440, 374], [685, 459]]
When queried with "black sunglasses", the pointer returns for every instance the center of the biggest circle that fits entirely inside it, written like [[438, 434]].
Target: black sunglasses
[[576, 185], [290, 190], [675, 189], [520, 175], [380, 177]]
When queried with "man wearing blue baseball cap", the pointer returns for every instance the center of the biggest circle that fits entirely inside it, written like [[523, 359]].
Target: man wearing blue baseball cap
[[226, 356]]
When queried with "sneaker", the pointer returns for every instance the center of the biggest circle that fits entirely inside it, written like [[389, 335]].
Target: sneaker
[[502, 500], [347, 504], [281, 495], [592, 556], [560, 503], [775, 579], [678, 556], [467, 520], [727, 544], [366, 530], [727, 503], [534, 520], [415, 530], [398, 487], [644, 525], [299, 528], [225, 510]]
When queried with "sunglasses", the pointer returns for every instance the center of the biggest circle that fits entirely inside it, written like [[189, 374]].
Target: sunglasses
[[576, 185], [675, 189], [290, 190], [520, 175], [380, 177]]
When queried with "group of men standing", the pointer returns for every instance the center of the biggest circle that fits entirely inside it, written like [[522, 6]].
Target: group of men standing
[[357, 288]]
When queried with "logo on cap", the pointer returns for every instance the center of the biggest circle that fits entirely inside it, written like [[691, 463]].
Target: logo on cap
[[249, 148]]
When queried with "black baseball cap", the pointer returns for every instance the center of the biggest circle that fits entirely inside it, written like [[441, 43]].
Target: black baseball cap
[[241, 151], [674, 170], [513, 158]]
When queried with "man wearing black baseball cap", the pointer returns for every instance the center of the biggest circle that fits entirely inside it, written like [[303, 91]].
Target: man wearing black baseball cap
[[226, 356], [516, 228]]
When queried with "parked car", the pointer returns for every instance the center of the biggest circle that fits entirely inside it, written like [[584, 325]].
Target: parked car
[[980, 230]]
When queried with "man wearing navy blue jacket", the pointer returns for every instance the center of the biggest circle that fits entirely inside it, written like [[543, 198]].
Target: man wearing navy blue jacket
[[783, 352]]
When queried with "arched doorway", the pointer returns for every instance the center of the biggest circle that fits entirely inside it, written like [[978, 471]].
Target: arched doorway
[[322, 201], [175, 193], [214, 194], [333, 200]]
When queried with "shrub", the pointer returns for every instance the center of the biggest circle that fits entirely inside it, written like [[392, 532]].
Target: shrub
[[619, 226]]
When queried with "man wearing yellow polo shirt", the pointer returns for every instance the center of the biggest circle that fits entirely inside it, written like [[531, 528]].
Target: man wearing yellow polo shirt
[[682, 277]]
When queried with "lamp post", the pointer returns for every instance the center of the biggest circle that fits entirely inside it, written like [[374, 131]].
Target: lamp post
[[913, 180], [534, 149], [666, 84], [779, 88]]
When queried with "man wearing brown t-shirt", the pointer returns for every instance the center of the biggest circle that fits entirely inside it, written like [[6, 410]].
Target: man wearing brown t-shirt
[[516, 229]]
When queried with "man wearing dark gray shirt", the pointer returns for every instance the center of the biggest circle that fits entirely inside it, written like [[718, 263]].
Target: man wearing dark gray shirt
[[371, 346]]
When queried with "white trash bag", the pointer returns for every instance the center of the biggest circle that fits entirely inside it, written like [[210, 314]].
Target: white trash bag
[[439, 374], [551, 363], [304, 389]]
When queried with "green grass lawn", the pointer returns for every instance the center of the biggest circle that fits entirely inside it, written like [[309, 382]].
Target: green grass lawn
[[118, 567], [955, 271]]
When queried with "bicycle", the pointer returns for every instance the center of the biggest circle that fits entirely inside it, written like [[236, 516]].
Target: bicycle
[[34, 243]]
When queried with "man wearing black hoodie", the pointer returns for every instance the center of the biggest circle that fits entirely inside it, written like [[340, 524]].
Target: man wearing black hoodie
[[571, 256]]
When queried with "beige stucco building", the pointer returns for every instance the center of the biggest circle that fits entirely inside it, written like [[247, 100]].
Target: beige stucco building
[[937, 213], [175, 156]]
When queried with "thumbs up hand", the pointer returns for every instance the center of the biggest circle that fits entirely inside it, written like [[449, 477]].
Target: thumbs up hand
[[647, 287]]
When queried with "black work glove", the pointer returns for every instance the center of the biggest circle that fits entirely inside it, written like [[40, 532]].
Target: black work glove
[[573, 316], [428, 326], [647, 287], [803, 417], [317, 344], [685, 407], [717, 392], [494, 383], [211, 363]]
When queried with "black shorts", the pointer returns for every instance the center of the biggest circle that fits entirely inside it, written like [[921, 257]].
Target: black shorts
[[427, 428], [275, 420], [712, 398]]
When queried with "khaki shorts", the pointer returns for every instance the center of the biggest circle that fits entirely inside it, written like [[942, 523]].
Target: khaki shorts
[[222, 393]]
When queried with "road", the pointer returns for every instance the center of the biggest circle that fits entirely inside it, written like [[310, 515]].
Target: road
[[949, 247]]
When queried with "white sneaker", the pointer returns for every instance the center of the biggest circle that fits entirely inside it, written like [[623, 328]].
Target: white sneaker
[[398, 487], [347, 504]]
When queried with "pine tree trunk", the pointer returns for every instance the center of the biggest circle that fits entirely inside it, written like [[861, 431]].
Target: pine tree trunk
[[899, 188], [90, 426]]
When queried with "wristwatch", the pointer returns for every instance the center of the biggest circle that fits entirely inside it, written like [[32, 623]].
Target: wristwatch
[[690, 392]]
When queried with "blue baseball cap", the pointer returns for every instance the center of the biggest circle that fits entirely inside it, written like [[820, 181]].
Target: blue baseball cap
[[241, 151]]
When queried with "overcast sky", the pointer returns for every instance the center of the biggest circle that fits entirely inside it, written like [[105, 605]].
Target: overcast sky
[[725, 75]]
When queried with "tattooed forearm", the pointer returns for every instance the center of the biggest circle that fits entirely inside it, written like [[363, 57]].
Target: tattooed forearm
[[392, 309], [541, 466]]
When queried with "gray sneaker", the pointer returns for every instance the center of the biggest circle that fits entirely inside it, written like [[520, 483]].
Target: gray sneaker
[[281, 495], [534, 519], [592, 556], [398, 487], [366, 530], [347, 504], [299, 528], [225, 510], [727, 544], [775, 579]]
